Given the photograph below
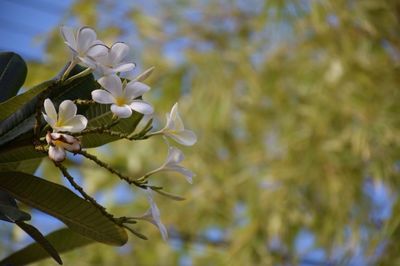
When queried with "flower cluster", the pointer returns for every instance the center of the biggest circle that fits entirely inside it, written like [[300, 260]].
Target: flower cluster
[[66, 120], [124, 98]]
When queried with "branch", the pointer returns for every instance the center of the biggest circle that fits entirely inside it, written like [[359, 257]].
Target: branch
[[112, 170], [71, 180]]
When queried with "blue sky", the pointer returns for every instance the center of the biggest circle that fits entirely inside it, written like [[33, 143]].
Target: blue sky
[[24, 24]]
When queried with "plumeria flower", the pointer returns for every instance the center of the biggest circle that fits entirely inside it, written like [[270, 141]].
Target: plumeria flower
[[113, 61], [84, 46], [66, 119], [175, 129], [174, 158], [172, 163], [59, 143], [122, 97], [153, 215]]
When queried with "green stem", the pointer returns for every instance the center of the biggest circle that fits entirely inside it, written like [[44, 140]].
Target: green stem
[[68, 70], [85, 72]]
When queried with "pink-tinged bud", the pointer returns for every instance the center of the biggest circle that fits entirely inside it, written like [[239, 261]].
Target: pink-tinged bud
[[59, 143]]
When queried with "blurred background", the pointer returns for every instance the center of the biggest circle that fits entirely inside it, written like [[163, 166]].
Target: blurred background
[[296, 107]]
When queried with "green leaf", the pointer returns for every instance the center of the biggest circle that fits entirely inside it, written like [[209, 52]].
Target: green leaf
[[100, 115], [63, 240], [13, 214], [41, 240], [13, 72], [13, 153], [58, 201], [9, 211], [12, 105], [23, 120]]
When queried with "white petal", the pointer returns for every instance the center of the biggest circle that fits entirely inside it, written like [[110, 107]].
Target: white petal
[[176, 119], [56, 154], [175, 156], [68, 138], [135, 89], [49, 121], [141, 107], [121, 111], [102, 96], [103, 70], [123, 67], [88, 62], [75, 124], [75, 146], [66, 111], [55, 136], [118, 52], [97, 50], [182, 170], [169, 124], [112, 84], [185, 137], [155, 213], [50, 110], [85, 38], [68, 36]]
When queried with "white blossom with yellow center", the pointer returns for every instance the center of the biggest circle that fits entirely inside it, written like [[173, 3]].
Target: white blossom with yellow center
[[122, 97]]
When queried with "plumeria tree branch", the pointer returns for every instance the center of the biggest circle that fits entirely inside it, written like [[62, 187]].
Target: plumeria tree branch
[[65, 126], [71, 180], [102, 164]]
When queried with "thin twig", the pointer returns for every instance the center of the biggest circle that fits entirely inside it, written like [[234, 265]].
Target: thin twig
[[83, 102], [71, 180], [112, 170], [95, 129]]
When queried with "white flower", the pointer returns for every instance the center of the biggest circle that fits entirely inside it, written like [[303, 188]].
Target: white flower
[[176, 130], [175, 156], [122, 97], [113, 61], [153, 215], [66, 119], [84, 45], [59, 143]]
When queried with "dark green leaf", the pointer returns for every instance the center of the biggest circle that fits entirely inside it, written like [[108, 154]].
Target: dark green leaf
[[100, 115], [9, 210], [13, 214], [12, 105], [23, 119], [40, 239], [13, 72], [13, 153], [63, 240], [58, 201]]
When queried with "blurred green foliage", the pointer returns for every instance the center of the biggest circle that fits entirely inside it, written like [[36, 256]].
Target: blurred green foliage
[[296, 105]]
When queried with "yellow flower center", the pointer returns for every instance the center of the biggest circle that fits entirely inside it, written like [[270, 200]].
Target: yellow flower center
[[58, 143], [120, 101], [59, 123]]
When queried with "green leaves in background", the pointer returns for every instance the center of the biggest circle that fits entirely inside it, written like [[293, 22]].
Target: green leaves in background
[[63, 240], [13, 72], [60, 202]]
